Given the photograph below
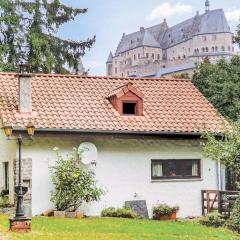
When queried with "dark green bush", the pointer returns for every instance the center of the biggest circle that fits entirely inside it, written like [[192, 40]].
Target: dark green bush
[[213, 219], [119, 212], [164, 209], [233, 222], [4, 201]]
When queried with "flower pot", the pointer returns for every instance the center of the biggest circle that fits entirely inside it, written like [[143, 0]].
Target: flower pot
[[173, 216], [60, 214], [70, 214], [79, 215]]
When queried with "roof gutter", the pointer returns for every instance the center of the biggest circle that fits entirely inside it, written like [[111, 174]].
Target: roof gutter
[[99, 131]]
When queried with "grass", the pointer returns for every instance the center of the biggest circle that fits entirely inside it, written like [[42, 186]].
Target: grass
[[114, 229]]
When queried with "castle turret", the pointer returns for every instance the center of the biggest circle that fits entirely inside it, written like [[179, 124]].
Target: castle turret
[[207, 5], [164, 25], [109, 64]]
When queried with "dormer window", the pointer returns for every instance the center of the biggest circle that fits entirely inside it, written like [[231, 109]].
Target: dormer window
[[129, 108], [127, 100]]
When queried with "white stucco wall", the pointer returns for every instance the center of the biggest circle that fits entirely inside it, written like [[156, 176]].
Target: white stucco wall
[[7, 154], [123, 169]]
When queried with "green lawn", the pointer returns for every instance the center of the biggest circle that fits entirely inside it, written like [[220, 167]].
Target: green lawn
[[114, 229]]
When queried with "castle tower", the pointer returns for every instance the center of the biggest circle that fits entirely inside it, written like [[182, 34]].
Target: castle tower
[[207, 5], [109, 64]]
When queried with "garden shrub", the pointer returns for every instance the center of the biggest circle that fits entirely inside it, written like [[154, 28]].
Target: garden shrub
[[233, 222], [164, 209], [73, 183], [119, 212], [213, 219], [4, 201]]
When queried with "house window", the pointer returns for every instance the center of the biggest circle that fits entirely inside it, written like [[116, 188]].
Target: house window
[[139, 55], [214, 37], [115, 70], [204, 38], [6, 177], [223, 48], [175, 169], [134, 56], [152, 55], [147, 55], [129, 108]]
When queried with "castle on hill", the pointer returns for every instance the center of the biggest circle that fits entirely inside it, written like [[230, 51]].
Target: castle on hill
[[161, 50]]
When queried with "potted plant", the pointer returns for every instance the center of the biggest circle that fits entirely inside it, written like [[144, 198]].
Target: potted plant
[[165, 212], [74, 184]]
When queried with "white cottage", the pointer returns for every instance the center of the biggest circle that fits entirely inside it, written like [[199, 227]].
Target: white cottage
[[147, 133]]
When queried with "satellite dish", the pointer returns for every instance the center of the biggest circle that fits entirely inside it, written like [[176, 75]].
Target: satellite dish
[[88, 152]]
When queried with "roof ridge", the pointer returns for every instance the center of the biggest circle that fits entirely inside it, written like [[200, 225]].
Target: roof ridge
[[100, 77], [95, 77]]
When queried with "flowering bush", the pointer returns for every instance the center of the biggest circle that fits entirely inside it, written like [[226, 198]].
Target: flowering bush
[[73, 183], [162, 209]]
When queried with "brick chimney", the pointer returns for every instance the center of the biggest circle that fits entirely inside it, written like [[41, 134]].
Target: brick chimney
[[25, 89]]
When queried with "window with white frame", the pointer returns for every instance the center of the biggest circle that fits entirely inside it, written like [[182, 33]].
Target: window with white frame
[[175, 169]]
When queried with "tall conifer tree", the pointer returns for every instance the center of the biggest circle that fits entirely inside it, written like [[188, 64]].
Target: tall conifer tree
[[28, 33]]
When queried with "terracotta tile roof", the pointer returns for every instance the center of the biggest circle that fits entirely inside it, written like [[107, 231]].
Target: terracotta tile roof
[[80, 102]]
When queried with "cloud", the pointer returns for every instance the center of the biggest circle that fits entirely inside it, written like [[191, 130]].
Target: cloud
[[233, 15], [167, 10]]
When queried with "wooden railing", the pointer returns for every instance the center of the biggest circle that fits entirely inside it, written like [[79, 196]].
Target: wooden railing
[[221, 201]]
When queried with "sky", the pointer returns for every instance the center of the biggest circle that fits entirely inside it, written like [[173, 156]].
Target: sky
[[109, 19]]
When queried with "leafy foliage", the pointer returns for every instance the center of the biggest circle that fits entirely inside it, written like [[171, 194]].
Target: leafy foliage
[[213, 219], [4, 201], [220, 83], [225, 149], [181, 76], [73, 184], [119, 212], [164, 209], [233, 222], [29, 34]]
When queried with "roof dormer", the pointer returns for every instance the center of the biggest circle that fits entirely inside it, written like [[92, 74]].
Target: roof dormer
[[127, 100]]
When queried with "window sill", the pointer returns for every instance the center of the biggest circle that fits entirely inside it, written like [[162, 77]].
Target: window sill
[[177, 180]]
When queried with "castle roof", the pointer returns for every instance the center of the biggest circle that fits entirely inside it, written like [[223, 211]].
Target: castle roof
[[110, 58], [213, 21]]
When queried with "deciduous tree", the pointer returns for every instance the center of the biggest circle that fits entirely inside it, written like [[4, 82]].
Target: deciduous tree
[[220, 83]]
